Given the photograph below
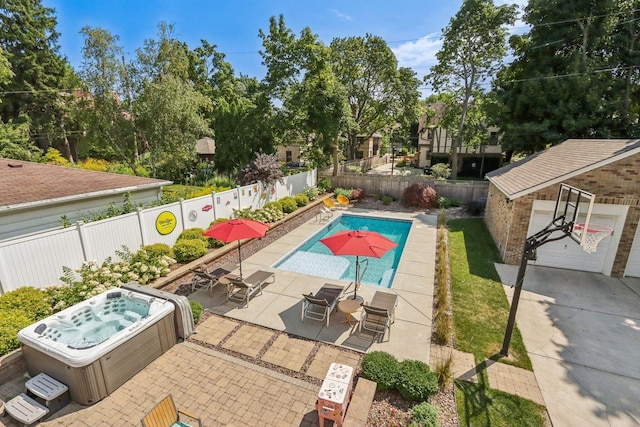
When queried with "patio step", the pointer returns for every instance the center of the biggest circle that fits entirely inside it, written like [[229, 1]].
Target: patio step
[[360, 404]]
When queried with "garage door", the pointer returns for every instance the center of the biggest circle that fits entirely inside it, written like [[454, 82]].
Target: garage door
[[633, 264], [566, 253]]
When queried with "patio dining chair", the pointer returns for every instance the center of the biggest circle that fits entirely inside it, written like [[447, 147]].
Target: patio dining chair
[[165, 414], [379, 314], [343, 200], [242, 290], [322, 304]]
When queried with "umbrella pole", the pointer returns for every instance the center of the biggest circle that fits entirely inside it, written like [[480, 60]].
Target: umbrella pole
[[355, 292], [240, 258]]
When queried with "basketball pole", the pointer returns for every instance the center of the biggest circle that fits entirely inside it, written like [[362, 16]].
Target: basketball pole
[[531, 243]]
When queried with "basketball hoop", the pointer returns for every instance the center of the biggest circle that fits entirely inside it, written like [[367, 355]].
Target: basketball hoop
[[594, 234]]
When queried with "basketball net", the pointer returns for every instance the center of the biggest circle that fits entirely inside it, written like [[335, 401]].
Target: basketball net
[[595, 233]]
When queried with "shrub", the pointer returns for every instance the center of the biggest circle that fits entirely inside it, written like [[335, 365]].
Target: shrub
[[386, 200], [354, 169], [401, 163], [192, 233], [346, 192], [189, 249], [415, 381], [445, 203], [424, 415], [312, 192], [11, 321], [288, 204], [158, 250], [301, 200], [444, 371], [29, 301], [419, 195], [441, 171], [380, 367], [358, 194], [196, 310], [323, 185], [475, 207]]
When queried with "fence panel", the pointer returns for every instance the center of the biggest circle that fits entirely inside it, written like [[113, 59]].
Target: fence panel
[[101, 237], [198, 212], [161, 224], [37, 260], [225, 202]]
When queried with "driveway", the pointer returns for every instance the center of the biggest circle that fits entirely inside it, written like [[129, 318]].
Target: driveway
[[582, 332]]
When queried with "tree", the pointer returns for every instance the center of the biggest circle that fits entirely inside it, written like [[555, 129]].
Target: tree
[[29, 40], [575, 75], [379, 94], [265, 169], [474, 45]]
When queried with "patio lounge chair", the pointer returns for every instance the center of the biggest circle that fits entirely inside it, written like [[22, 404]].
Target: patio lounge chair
[[243, 289], [320, 305], [330, 203], [343, 200], [379, 314], [206, 280], [165, 414]]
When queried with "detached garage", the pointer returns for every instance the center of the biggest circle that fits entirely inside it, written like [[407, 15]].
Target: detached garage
[[522, 195]]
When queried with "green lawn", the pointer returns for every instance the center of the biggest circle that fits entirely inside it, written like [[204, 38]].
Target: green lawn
[[480, 312]]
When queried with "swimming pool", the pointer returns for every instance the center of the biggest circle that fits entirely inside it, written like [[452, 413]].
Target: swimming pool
[[314, 258]]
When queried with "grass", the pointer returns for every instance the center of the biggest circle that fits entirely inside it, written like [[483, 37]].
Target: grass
[[179, 191], [480, 312]]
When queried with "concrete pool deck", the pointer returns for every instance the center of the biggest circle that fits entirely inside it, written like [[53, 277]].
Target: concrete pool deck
[[280, 305]]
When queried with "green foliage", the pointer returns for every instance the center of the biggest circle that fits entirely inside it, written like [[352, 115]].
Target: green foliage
[[30, 301], [312, 192], [11, 321], [415, 381], [354, 169], [16, 144], [346, 192], [158, 250], [53, 157], [301, 200], [424, 415], [382, 368], [401, 163], [475, 207], [196, 310], [192, 233], [445, 203], [189, 249], [265, 169], [419, 195], [444, 371], [441, 171], [288, 204], [112, 210], [270, 213], [323, 185], [386, 200]]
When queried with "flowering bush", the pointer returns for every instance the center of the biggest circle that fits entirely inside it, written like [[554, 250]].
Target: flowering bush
[[271, 212], [312, 192]]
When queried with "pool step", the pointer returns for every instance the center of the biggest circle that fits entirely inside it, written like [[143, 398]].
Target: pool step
[[44, 395], [25, 409]]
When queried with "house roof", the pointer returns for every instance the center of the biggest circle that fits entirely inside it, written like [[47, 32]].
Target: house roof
[[206, 145], [559, 163], [27, 184]]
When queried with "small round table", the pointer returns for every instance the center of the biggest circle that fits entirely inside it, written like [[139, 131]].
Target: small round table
[[349, 306]]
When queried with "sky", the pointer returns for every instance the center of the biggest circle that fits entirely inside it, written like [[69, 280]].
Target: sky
[[411, 28]]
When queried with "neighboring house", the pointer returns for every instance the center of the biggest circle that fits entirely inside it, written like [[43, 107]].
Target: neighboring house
[[435, 146], [368, 147], [35, 196], [522, 197], [206, 148], [289, 153]]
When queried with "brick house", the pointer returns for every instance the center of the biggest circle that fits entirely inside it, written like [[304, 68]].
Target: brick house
[[521, 200]]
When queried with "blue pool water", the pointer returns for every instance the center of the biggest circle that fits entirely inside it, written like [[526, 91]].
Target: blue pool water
[[314, 258]]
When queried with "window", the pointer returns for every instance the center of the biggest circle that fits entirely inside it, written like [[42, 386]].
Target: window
[[493, 138], [288, 156]]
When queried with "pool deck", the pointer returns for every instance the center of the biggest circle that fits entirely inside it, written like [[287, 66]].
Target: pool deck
[[280, 305]]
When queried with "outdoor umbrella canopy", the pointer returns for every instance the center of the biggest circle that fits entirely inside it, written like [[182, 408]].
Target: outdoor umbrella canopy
[[237, 229], [358, 243]]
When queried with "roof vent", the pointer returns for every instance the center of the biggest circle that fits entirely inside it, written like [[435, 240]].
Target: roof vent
[[14, 165]]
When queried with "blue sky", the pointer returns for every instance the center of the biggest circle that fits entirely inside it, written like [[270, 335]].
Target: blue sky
[[411, 28]]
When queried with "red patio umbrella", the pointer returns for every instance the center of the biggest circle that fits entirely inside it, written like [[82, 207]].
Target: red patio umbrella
[[237, 229], [358, 243]]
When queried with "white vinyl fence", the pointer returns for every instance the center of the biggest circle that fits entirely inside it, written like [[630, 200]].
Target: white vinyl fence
[[37, 260]]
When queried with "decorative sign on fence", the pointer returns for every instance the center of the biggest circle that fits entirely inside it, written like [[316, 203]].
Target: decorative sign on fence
[[166, 223]]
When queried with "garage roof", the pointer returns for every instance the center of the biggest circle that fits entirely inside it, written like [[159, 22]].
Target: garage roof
[[558, 163], [24, 184]]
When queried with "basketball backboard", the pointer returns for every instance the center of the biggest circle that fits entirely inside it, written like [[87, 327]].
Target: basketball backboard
[[574, 206]]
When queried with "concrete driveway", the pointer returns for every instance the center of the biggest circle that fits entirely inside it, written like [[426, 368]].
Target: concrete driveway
[[582, 332]]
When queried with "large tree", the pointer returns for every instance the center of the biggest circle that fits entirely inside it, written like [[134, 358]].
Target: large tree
[[380, 94], [576, 74], [474, 45], [29, 38]]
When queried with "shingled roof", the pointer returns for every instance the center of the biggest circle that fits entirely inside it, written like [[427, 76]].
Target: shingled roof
[[558, 163], [25, 184]]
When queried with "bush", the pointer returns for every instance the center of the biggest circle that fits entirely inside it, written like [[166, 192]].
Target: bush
[[358, 194], [312, 192], [445, 203], [189, 249], [346, 192], [192, 233], [354, 169], [158, 250], [288, 204], [380, 367], [386, 200], [424, 415], [415, 381], [11, 321], [441, 171], [301, 200], [475, 207], [323, 185], [419, 195], [196, 310], [29, 301]]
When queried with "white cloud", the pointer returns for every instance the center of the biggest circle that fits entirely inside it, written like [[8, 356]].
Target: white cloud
[[341, 15], [419, 55]]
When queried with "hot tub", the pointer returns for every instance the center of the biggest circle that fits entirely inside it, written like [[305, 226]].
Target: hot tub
[[97, 345]]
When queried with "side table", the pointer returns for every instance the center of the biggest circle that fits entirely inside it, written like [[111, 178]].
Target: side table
[[348, 307]]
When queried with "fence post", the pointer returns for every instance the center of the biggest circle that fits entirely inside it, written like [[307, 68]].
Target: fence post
[[83, 240], [143, 235], [182, 215], [238, 195], [213, 203]]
